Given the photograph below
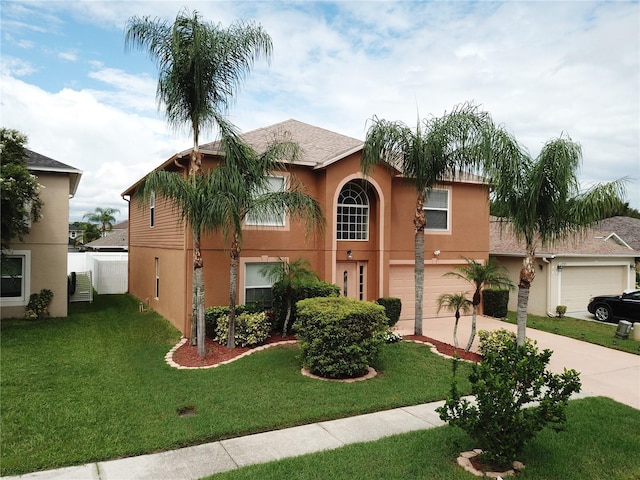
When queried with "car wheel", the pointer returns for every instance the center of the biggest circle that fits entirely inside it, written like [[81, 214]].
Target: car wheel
[[602, 313]]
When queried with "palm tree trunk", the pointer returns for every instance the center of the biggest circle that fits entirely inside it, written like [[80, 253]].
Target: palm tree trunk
[[455, 329], [198, 279], [473, 329], [287, 316], [193, 340], [527, 274], [233, 287], [419, 221]]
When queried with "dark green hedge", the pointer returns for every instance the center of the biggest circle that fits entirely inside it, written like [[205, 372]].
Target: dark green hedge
[[308, 289], [392, 308], [339, 337], [495, 302]]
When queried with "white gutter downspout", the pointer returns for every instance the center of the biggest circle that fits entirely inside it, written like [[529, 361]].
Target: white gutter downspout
[[544, 259]]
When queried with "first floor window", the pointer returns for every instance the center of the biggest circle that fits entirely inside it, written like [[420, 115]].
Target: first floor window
[[436, 209], [157, 292], [14, 289], [257, 287]]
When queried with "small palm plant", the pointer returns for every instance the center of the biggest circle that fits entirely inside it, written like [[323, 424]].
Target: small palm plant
[[289, 275], [455, 302]]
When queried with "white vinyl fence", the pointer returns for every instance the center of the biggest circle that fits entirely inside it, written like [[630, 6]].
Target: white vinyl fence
[[109, 270]]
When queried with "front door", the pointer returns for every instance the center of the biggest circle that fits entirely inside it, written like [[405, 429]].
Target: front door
[[351, 277]]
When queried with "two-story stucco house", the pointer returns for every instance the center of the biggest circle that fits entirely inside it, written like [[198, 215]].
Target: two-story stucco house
[[367, 246], [41, 258]]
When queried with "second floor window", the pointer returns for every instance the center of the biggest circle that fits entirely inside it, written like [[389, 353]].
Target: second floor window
[[353, 213], [152, 209], [272, 218], [436, 209]]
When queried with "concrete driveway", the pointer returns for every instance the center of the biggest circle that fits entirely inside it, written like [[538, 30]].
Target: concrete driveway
[[603, 371]]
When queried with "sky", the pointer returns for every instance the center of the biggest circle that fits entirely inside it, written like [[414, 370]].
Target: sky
[[542, 69]]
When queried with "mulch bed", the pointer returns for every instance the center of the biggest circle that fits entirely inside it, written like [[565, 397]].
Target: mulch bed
[[187, 356]]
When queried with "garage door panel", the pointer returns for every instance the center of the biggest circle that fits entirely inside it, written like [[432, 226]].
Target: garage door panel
[[401, 285], [579, 284]]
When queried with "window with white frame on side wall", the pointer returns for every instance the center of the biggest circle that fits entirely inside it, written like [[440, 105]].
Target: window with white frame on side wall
[[16, 279], [273, 217], [437, 210], [152, 209]]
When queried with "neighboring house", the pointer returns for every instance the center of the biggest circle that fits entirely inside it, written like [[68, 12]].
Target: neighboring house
[[42, 256], [75, 234], [627, 228], [568, 272], [115, 240], [367, 246]]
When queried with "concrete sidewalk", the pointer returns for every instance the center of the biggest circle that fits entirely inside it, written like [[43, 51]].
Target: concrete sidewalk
[[604, 372], [192, 463]]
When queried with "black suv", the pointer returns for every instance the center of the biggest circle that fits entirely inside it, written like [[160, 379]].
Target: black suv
[[607, 307]]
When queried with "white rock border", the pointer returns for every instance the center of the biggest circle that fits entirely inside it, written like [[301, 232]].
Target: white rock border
[[169, 356], [371, 372], [464, 460]]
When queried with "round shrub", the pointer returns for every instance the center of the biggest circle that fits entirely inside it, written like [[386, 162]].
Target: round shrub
[[339, 337], [251, 329], [392, 308]]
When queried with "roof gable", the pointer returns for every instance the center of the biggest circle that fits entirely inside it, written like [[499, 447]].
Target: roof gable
[[40, 163], [627, 228]]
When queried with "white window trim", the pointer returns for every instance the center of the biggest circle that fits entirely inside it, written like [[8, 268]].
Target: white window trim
[[26, 281], [157, 279], [448, 210], [284, 225], [243, 267]]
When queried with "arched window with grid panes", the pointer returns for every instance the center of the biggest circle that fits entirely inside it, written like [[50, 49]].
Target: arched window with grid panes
[[353, 213]]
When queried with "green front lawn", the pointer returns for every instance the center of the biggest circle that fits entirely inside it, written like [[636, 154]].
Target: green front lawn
[[601, 442], [593, 332], [95, 386]]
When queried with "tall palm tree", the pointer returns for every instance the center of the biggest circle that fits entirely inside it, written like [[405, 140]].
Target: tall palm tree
[[243, 189], [542, 202], [438, 149], [200, 65], [289, 275], [456, 302], [103, 217], [487, 275]]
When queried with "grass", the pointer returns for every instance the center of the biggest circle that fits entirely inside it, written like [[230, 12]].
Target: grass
[[601, 441], [593, 332], [94, 386]]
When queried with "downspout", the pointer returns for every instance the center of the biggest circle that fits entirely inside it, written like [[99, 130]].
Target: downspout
[[544, 259]]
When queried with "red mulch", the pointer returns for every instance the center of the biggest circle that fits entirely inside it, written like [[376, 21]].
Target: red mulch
[[187, 356], [445, 348]]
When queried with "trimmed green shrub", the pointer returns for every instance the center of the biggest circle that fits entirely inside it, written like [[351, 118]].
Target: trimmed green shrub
[[340, 337], [495, 302], [211, 315], [561, 310], [251, 329], [306, 289], [38, 306], [507, 381], [392, 308]]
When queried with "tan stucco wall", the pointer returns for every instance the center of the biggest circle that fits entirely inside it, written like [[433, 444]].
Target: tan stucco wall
[[47, 242]]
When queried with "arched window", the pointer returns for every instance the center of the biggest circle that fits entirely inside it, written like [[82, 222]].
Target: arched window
[[353, 213]]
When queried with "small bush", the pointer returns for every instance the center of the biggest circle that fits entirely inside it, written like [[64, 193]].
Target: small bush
[[211, 315], [340, 337], [306, 289], [561, 310], [505, 384], [251, 329], [38, 306], [392, 309], [495, 302]]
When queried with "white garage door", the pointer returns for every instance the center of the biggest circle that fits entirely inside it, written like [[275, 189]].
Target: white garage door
[[402, 286], [578, 284]]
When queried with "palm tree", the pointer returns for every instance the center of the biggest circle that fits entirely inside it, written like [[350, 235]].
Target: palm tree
[[487, 275], [243, 189], [103, 217], [455, 302], [200, 67], [289, 275], [438, 149], [542, 202]]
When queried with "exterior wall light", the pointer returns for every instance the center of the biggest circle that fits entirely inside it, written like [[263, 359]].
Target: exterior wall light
[[349, 254]]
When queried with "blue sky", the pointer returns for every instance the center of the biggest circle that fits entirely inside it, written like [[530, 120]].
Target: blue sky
[[541, 68]]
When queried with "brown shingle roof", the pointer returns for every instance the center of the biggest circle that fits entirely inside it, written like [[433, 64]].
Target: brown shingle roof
[[318, 146], [627, 228], [502, 241], [115, 239]]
